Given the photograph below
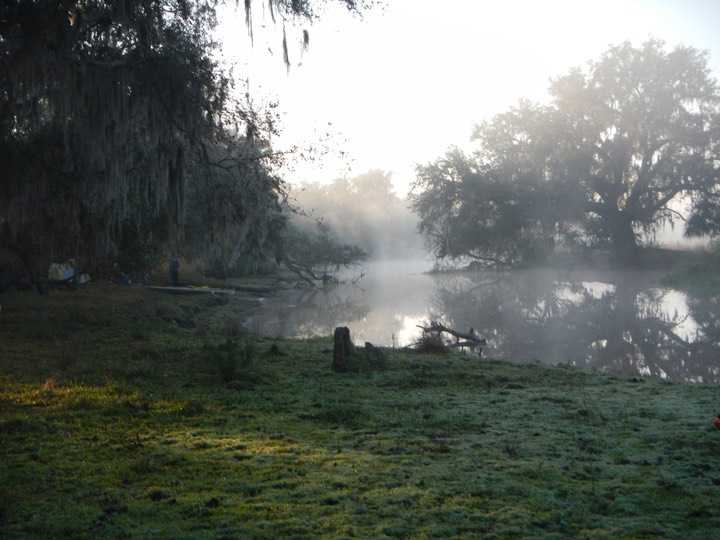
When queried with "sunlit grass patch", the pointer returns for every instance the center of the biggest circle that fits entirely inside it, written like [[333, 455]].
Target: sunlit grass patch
[[52, 395]]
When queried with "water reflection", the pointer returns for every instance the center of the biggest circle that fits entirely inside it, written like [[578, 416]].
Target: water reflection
[[384, 307], [620, 321], [614, 321]]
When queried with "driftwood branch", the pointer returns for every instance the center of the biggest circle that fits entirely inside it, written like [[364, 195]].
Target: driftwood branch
[[470, 339], [437, 327], [308, 274], [302, 271]]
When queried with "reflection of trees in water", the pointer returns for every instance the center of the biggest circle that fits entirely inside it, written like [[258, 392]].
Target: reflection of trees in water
[[705, 346], [617, 324], [310, 312]]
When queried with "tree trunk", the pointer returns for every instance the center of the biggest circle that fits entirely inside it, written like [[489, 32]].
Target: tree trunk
[[623, 236]]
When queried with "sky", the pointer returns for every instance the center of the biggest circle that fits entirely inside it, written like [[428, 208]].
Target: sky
[[412, 77]]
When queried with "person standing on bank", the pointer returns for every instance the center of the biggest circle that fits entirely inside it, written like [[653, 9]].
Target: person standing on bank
[[174, 271]]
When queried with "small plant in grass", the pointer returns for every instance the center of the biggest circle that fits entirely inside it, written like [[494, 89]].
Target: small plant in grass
[[66, 355], [232, 329], [78, 315], [512, 445], [345, 414], [138, 332], [236, 359], [49, 329]]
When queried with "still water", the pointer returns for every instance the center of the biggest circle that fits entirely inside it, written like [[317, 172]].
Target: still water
[[622, 321]]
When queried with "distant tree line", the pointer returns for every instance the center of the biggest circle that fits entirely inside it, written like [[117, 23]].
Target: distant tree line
[[363, 211], [615, 154]]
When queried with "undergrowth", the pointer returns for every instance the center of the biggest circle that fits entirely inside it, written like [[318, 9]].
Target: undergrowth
[[430, 342]]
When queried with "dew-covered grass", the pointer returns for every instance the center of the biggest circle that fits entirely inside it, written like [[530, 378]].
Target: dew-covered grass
[[115, 423]]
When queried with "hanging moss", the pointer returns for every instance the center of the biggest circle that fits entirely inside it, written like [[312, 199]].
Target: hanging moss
[[106, 100], [109, 107]]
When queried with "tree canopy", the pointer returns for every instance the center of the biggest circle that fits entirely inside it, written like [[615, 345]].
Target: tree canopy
[[103, 104], [470, 211], [614, 154], [113, 114]]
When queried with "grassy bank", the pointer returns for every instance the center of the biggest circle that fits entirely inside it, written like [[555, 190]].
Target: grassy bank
[[115, 423]]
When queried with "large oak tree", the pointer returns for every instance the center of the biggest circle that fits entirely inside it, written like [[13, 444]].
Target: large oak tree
[[615, 153]]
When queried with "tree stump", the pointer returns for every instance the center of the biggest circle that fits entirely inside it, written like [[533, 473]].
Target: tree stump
[[342, 349]]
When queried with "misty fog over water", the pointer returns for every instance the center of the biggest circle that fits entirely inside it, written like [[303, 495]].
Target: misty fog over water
[[621, 321]]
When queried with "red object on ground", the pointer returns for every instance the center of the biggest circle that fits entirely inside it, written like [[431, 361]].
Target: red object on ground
[[717, 422]]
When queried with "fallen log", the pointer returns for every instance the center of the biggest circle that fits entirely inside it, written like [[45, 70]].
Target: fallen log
[[471, 340]]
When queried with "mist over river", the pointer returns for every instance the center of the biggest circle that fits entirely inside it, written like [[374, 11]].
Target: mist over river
[[609, 320]]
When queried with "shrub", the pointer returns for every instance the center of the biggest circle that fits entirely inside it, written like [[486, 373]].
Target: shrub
[[236, 359], [430, 342]]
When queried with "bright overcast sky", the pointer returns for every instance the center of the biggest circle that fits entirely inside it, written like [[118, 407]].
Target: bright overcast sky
[[411, 78]]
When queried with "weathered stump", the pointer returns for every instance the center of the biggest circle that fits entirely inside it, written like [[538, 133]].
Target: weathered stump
[[375, 355], [342, 349]]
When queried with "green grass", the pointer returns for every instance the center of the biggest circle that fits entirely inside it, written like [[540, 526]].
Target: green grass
[[114, 423]]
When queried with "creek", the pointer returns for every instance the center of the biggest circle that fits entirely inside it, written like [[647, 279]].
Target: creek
[[608, 320]]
